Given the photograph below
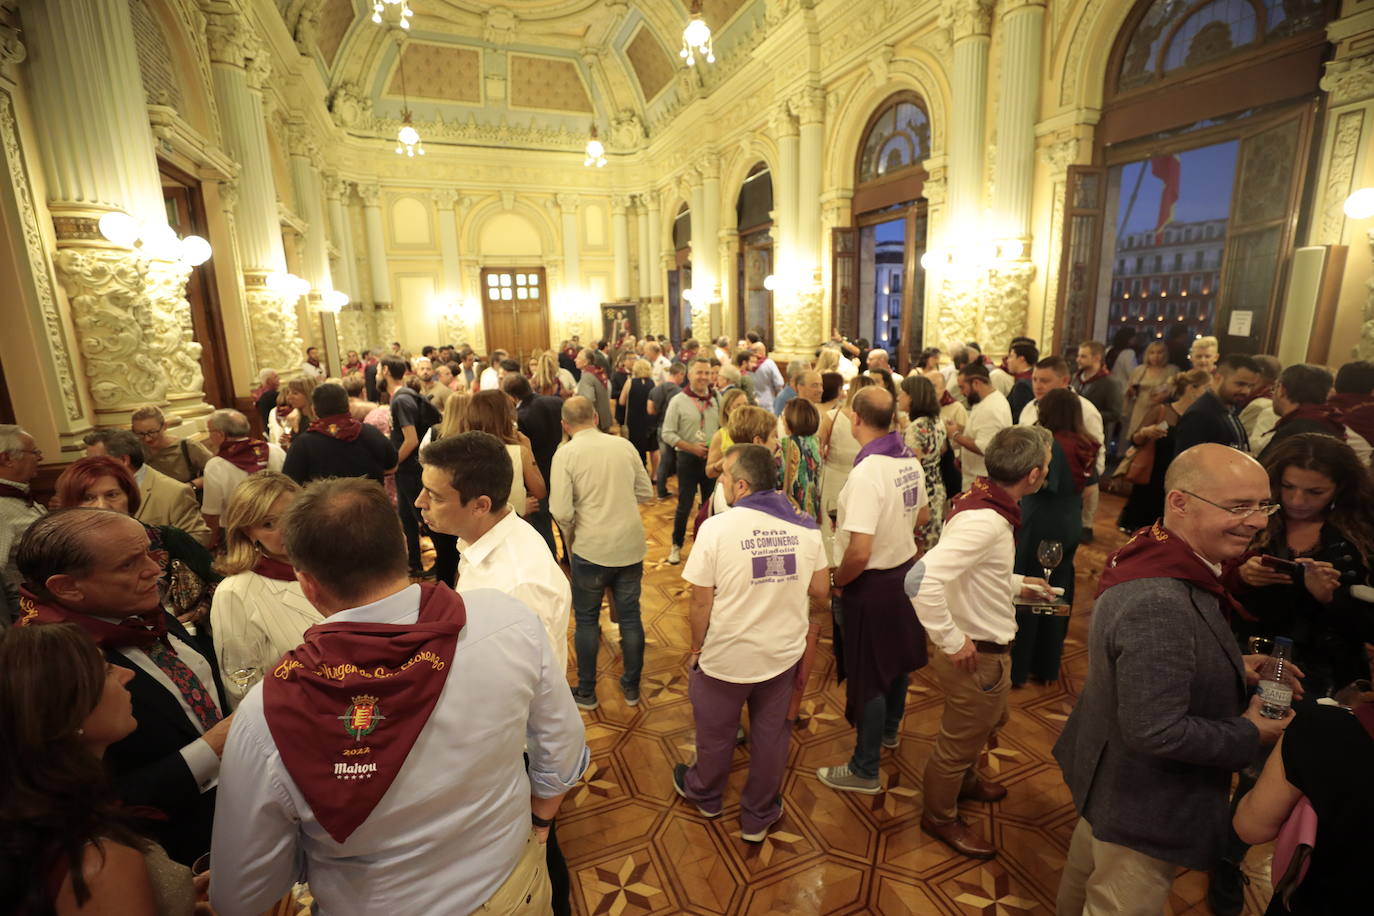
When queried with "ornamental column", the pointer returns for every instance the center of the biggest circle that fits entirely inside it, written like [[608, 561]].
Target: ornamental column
[[969, 22], [239, 68], [446, 200], [710, 191], [645, 266], [572, 252], [703, 253], [1019, 94], [305, 175], [335, 192], [132, 320], [653, 251], [620, 245], [384, 314], [811, 108], [785, 134]]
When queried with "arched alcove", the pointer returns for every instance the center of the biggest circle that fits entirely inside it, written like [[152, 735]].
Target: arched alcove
[[754, 264]]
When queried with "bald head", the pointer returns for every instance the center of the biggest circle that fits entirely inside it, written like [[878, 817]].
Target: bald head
[[578, 413], [873, 409], [1203, 487]]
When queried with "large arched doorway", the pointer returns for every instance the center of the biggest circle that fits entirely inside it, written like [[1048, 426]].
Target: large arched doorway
[[754, 266], [878, 283], [1184, 225], [680, 277]]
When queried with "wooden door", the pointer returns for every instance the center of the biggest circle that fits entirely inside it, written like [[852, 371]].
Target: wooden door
[[186, 214], [844, 246], [1077, 293], [515, 307]]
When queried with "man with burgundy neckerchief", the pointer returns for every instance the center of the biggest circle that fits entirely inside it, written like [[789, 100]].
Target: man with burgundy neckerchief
[[692, 418], [382, 759], [19, 457], [1354, 398], [962, 591], [1163, 723], [337, 445], [877, 639], [236, 456], [92, 568]]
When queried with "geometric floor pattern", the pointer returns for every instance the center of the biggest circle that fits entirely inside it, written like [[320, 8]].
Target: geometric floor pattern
[[633, 848]]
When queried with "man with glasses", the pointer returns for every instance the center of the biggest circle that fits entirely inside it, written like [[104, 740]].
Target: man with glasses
[[19, 460], [179, 459], [1163, 720]]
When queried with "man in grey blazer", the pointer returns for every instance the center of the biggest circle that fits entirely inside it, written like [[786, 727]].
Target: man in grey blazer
[[1163, 720]]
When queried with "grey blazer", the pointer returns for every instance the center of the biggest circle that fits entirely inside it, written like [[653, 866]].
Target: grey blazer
[[1150, 747]]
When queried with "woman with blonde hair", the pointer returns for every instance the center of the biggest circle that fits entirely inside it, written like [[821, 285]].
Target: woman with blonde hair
[[730, 400], [455, 409], [492, 412], [544, 379], [259, 612], [639, 427], [297, 395], [1145, 388]]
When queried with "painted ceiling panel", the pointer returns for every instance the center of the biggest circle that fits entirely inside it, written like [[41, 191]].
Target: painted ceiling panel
[[335, 18], [547, 83], [445, 72], [652, 64]]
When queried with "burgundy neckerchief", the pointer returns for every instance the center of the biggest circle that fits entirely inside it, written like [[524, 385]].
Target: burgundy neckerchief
[[1325, 413], [272, 568], [346, 707], [1080, 452], [245, 454], [139, 630], [984, 494], [775, 504], [1263, 391], [339, 426], [707, 399], [1100, 374], [1157, 553], [1023, 375], [946, 399], [15, 493], [1357, 410], [597, 371], [314, 362], [889, 446]]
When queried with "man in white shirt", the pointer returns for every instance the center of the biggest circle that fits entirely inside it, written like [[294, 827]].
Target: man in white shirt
[[878, 361], [658, 363], [880, 644], [751, 570], [599, 517], [490, 379], [989, 413], [1053, 372], [962, 591], [236, 456], [466, 487], [381, 760], [312, 368], [768, 381]]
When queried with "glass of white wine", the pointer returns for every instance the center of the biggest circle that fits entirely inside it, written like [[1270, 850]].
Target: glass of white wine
[[245, 666]]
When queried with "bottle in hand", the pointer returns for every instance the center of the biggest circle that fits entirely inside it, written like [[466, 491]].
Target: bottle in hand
[[1276, 694]]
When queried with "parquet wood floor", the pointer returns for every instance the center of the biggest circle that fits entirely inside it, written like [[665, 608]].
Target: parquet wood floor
[[634, 848]]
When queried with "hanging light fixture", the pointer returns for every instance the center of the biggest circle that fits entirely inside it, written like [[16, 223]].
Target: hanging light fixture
[[379, 6], [696, 38], [408, 141], [596, 152]]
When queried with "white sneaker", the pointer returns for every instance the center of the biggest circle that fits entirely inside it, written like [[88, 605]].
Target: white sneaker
[[675, 555]]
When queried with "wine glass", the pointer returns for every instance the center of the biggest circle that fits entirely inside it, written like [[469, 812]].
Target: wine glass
[[244, 666], [1050, 554]]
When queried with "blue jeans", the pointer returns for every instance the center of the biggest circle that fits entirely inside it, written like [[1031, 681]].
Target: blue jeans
[[540, 520], [589, 582], [881, 715], [667, 467]]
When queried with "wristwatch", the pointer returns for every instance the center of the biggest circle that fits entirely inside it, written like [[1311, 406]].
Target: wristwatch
[[540, 822]]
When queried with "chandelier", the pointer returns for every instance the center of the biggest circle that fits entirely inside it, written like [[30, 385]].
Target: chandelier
[[696, 38], [408, 142], [596, 152], [403, 19]]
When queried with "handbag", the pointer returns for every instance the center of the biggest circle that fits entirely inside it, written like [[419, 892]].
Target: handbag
[[1298, 835]]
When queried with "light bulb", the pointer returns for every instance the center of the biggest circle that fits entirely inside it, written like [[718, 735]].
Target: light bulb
[[195, 251], [161, 242], [120, 228], [770, 282], [1360, 204]]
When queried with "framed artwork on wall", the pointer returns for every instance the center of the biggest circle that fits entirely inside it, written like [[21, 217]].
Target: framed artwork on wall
[[619, 319]]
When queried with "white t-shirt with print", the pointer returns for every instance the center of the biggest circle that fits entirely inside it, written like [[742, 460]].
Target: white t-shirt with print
[[882, 497], [760, 567]]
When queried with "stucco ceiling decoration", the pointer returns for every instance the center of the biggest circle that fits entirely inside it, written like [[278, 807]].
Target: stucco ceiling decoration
[[335, 18], [652, 65], [548, 84], [443, 72]]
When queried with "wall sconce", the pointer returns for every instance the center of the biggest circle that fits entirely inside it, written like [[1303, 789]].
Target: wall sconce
[[770, 282], [1360, 204], [334, 301], [156, 241]]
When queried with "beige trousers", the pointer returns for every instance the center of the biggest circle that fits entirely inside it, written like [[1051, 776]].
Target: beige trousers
[[526, 890], [975, 707], [1104, 878]]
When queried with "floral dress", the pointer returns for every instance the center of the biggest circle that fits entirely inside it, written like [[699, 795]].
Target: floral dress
[[801, 473], [925, 436]]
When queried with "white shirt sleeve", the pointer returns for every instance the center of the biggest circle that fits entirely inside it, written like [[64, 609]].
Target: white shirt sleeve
[[862, 503], [926, 581], [212, 503], [203, 763], [256, 848], [701, 562]]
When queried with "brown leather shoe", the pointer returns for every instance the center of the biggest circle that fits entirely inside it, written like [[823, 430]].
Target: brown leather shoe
[[961, 838], [985, 791]]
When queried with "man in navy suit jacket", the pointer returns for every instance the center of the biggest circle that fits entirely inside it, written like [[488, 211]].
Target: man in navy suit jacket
[[93, 568]]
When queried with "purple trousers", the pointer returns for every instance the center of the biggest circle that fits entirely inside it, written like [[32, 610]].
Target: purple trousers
[[716, 708]]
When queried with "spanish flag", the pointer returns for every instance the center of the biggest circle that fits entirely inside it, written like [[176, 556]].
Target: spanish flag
[[1169, 170]]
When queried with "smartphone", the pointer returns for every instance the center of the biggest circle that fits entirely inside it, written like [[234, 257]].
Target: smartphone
[[1281, 565]]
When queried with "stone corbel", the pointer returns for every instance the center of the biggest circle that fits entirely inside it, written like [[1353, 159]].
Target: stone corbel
[[1349, 79], [12, 50], [1060, 154]]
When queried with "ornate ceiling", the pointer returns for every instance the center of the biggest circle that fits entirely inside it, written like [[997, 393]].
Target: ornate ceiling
[[542, 66]]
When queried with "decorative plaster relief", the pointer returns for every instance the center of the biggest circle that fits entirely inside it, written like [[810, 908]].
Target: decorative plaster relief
[[966, 18], [1350, 79], [1340, 171], [276, 340], [1365, 348]]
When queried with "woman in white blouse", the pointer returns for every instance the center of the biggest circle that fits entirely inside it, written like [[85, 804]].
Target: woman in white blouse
[[259, 612]]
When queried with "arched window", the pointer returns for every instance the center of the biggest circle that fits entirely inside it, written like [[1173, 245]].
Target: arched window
[[897, 139], [1172, 36], [753, 215]]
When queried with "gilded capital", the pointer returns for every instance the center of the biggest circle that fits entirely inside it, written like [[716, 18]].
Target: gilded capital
[[444, 198], [568, 203], [966, 18], [620, 203], [229, 39], [371, 194], [810, 105], [781, 122]]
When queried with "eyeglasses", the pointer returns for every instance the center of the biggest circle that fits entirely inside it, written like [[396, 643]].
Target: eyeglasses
[[148, 433], [1265, 509]]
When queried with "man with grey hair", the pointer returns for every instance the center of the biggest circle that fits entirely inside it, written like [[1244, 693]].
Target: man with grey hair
[[164, 500], [19, 457], [962, 591], [266, 394], [751, 571], [592, 385], [236, 456]]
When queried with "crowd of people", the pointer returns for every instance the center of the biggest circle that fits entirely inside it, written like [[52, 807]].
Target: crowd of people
[[229, 648]]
